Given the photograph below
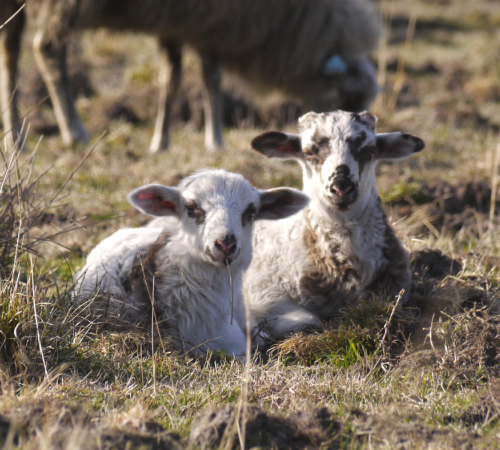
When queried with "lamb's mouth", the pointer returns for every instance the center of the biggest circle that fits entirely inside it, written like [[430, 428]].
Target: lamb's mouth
[[223, 259], [343, 202]]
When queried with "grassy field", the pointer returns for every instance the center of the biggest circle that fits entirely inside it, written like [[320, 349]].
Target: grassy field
[[425, 377]]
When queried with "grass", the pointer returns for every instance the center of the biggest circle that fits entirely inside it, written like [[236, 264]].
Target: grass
[[427, 377]]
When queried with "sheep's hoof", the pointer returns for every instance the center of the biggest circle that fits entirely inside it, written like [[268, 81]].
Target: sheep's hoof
[[214, 147], [76, 134], [159, 144]]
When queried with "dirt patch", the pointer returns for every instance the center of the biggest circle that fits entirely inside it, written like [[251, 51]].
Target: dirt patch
[[395, 429], [448, 198], [441, 292], [465, 116], [69, 426], [434, 279], [80, 83], [432, 263], [302, 430], [441, 207]]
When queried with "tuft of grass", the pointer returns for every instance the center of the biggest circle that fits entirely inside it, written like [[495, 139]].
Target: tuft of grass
[[21, 208], [340, 347], [404, 191], [469, 343], [355, 336]]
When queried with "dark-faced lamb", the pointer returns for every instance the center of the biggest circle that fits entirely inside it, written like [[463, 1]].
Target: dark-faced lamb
[[180, 267], [310, 52], [341, 248]]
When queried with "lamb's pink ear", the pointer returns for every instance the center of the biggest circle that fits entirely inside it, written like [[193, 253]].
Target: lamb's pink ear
[[275, 144], [280, 203], [397, 145], [156, 200]]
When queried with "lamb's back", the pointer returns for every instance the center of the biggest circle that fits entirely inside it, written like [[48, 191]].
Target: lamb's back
[[111, 261]]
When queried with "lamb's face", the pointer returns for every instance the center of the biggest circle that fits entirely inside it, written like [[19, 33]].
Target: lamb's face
[[217, 210], [339, 155], [338, 152]]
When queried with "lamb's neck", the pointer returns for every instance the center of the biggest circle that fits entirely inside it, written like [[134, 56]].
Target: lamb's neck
[[366, 208], [356, 235]]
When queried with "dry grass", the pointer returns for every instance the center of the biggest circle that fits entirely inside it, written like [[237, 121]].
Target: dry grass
[[424, 377]]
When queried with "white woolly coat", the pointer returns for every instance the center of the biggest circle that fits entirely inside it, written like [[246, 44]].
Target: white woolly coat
[[193, 303]]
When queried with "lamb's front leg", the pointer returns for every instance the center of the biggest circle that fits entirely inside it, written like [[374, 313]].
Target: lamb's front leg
[[281, 319], [230, 338]]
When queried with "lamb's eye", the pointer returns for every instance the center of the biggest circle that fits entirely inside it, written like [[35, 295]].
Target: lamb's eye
[[313, 150], [249, 214], [195, 212]]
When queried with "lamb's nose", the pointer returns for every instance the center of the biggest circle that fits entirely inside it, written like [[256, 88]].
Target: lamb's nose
[[342, 186], [226, 245]]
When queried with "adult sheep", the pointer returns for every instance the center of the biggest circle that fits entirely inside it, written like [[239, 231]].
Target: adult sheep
[[312, 52], [180, 267], [341, 248]]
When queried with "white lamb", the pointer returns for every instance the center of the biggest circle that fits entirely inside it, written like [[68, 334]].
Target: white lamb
[[341, 248], [180, 267]]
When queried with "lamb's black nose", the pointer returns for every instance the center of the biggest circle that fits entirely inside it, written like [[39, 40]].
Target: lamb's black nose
[[342, 186]]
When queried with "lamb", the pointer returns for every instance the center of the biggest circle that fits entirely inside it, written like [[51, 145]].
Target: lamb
[[314, 53], [181, 265], [341, 248]]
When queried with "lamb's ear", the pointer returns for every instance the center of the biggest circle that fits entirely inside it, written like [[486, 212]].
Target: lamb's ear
[[156, 200], [397, 145], [280, 203], [275, 144]]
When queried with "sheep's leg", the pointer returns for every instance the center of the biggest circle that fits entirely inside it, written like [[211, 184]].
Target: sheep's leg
[[170, 81], [50, 56], [10, 43], [212, 104]]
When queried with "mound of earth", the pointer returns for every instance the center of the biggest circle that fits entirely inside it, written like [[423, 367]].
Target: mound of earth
[[445, 208], [301, 430], [432, 263], [69, 425]]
